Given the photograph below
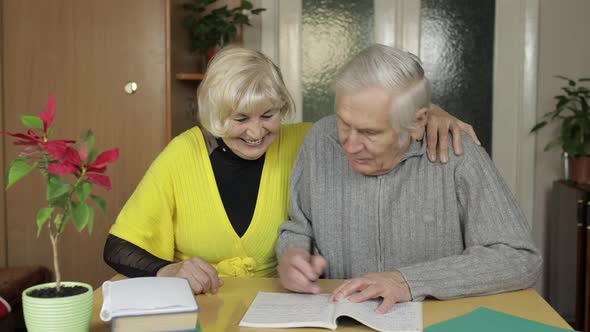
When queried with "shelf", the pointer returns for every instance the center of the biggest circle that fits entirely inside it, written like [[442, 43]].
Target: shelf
[[190, 76]]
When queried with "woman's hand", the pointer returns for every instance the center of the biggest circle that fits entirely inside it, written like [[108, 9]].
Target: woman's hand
[[201, 276], [439, 124]]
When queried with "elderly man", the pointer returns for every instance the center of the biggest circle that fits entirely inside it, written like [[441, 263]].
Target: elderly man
[[368, 206]]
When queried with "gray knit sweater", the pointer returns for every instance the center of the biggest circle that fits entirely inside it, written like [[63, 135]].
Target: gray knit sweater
[[451, 229]]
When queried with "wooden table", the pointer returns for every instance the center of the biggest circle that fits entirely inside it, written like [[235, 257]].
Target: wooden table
[[223, 311]]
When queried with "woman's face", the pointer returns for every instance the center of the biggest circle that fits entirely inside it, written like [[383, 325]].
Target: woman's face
[[250, 135]]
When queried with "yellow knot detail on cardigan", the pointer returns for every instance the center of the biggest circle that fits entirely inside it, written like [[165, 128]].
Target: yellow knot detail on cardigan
[[237, 267]]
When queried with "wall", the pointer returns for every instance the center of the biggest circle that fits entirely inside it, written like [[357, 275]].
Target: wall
[[564, 48]]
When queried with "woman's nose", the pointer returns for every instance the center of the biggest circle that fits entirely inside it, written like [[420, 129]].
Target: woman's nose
[[255, 130]]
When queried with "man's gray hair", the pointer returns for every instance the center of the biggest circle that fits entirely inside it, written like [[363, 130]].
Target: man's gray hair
[[392, 69]]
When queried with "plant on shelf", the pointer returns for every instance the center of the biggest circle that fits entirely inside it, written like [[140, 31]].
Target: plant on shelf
[[573, 113], [69, 169], [216, 28]]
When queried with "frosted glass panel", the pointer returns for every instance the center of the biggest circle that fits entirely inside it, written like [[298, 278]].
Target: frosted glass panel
[[457, 49], [333, 31]]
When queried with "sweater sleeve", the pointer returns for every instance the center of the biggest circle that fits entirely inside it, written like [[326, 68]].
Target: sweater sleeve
[[146, 219], [297, 232], [130, 260], [499, 254]]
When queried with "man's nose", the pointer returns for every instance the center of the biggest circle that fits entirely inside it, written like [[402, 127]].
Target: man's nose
[[352, 143]]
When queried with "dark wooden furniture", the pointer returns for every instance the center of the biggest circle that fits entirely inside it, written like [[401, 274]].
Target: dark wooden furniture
[[13, 281], [568, 253]]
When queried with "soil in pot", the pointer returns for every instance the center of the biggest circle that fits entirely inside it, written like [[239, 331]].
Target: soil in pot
[[51, 292]]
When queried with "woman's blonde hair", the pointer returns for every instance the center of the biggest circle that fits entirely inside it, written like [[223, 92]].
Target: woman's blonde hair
[[240, 80]]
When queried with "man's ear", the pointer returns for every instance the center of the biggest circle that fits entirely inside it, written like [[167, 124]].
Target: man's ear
[[420, 119]]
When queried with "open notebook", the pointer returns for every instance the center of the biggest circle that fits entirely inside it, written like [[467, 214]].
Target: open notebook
[[278, 310]]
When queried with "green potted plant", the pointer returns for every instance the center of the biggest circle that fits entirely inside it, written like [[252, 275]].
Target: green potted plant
[[70, 170], [572, 112], [209, 31]]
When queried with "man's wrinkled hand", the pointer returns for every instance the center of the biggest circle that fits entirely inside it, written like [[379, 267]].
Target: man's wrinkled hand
[[391, 286], [299, 271]]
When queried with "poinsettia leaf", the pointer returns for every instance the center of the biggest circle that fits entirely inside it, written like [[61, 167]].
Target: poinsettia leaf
[[91, 156], [83, 151], [48, 113], [80, 215], [101, 203], [72, 156], [61, 168], [90, 220], [42, 216], [83, 190], [32, 121], [56, 188], [99, 179], [17, 170], [60, 222], [105, 158], [56, 149], [88, 137]]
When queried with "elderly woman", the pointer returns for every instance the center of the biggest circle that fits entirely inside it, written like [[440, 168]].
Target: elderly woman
[[211, 203]]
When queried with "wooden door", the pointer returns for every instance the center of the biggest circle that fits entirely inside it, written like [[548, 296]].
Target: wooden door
[[2, 197], [83, 52]]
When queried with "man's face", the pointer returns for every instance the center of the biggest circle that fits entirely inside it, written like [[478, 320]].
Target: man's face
[[365, 132]]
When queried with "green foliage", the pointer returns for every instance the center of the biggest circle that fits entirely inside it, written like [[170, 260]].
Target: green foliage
[[56, 159], [32, 121], [17, 170], [80, 215], [88, 138], [42, 216], [572, 110], [218, 27], [56, 189], [83, 189], [101, 203]]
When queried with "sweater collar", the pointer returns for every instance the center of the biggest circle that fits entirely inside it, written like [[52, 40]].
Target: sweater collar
[[416, 149]]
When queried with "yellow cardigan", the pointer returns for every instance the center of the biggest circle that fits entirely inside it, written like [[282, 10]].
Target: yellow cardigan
[[176, 211]]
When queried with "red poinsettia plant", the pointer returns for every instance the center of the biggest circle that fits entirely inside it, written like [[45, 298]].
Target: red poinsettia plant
[[70, 170]]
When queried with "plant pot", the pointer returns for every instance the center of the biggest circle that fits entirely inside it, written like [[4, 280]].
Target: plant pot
[[63, 314], [579, 169]]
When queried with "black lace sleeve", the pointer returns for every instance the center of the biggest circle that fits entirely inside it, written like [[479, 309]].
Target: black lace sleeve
[[131, 260]]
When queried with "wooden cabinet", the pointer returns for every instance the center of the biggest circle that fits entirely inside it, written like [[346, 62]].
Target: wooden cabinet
[[569, 253], [184, 69], [182, 76]]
